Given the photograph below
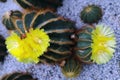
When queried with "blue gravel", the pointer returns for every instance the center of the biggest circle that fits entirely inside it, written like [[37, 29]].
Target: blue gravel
[[71, 9]]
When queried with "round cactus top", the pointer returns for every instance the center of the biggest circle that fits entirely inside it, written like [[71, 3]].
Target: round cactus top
[[91, 14]]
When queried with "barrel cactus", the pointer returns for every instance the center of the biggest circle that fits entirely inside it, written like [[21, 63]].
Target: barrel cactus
[[91, 14], [35, 27], [72, 68], [3, 50], [3, 0], [40, 4], [95, 44], [18, 76], [9, 17]]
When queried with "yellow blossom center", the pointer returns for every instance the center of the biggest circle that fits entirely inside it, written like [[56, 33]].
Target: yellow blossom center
[[103, 44], [29, 48]]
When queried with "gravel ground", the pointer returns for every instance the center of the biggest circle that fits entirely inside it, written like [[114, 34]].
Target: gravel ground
[[71, 9]]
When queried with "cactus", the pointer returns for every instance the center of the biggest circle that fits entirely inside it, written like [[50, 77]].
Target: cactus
[[3, 51], [40, 4], [57, 28], [95, 44], [91, 14], [83, 45], [72, 68], [3, 0], [18, 76], [9, 16]]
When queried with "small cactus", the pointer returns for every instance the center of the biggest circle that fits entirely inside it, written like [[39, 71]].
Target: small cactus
[[3, 0], [9, 17], [72, 68], [95, 44], [40, 4], [57, 28], [3, 50], [91, 14], [18, 76]]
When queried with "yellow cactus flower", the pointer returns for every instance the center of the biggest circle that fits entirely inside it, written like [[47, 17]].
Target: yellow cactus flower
[[30, 48], [103, 44]]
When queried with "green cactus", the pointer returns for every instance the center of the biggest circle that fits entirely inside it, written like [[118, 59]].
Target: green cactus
[[3, 50], [58, 29], [83, 43], [95, 44], [9, 17], [3, 0], [91, 14], [72, 68], [18, 76], [40, 4]]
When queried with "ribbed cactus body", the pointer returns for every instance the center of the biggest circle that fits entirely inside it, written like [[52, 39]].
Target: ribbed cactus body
[[9, 17], [91, 14], [3, 50], [83, 43], [72, 68], [3, 0], [18, 76], [39, 4], [57, 28]]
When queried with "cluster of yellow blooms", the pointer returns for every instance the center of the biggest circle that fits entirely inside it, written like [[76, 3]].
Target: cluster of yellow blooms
[[36, 43], [103, 44], [30, 48]]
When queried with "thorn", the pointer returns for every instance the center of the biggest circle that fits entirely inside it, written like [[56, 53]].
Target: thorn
[[62, 63], [73, 36]]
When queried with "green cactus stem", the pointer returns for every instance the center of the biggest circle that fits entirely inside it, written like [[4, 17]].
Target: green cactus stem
[[83, 43], [91, 14], [40, 4], [18, 76], [3, 0], [72, 68]]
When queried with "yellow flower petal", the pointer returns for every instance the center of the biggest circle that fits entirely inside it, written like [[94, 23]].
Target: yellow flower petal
[[30, 48], [103, 44], [15, 45]]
